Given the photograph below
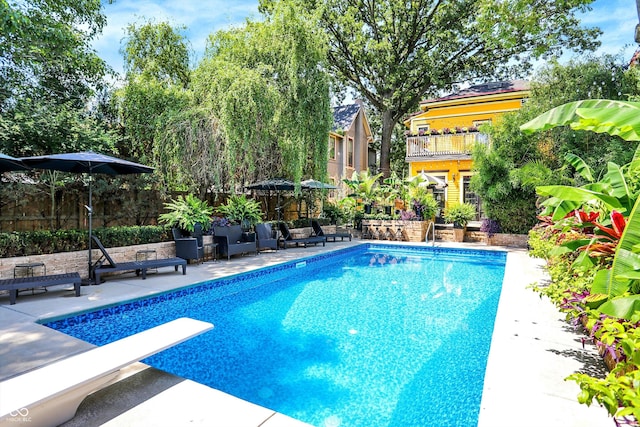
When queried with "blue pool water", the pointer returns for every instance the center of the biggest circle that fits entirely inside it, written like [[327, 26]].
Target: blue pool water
[[372, 336]]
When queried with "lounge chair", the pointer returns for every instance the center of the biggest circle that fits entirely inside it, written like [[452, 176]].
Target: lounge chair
[[287, 239], [231, 241], [107, 265], [265, 237], [317, 230], [14, 285]]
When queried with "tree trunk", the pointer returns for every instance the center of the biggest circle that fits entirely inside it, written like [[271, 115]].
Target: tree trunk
[[385, 145]]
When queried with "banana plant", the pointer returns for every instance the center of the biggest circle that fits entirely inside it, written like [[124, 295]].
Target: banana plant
[[621, 118]]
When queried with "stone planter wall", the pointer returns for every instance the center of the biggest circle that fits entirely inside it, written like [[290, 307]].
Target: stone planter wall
[[411, 231], [500, 239], [69, 262]]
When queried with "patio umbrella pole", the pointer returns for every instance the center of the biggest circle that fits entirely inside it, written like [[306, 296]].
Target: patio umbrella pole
[[91, 280]]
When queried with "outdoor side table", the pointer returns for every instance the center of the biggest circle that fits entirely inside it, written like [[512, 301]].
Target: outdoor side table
[[146, 254], [27, 270], [213, 251]]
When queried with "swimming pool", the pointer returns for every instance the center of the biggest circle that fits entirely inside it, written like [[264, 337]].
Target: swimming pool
[[369, 336]]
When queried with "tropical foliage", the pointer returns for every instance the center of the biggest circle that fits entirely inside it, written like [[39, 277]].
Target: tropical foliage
[[460, 214], [185, 212], [241, 210], [509, 171], [609, 251]]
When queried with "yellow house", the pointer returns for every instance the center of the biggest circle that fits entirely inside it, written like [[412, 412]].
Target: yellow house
[[442, 134]]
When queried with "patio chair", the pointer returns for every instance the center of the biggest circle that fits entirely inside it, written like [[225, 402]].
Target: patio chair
[[287, 239], [106, 264], [265, 237], [317, 230], [189, 247], [231, 241]]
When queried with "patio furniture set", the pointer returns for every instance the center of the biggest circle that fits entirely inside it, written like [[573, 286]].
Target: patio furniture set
[[227, 241]]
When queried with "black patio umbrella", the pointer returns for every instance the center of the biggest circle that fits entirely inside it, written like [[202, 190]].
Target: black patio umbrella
[[86, 162], [312, 184], [274, 184], [8, 163]]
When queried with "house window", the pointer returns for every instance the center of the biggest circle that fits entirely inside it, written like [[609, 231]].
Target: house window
[[470, 197], [332, 147], [350, 152], [478, 123], [423, 130]]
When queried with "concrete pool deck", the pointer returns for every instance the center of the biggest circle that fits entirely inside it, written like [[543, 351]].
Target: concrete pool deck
[[533, 349]]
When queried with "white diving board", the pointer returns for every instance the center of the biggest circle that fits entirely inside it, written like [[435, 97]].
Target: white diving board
[[50, 396]]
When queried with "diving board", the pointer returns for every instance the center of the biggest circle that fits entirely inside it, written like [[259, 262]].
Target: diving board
[[50, 396]]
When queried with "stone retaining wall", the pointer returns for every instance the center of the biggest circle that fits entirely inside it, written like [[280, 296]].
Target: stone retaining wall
[[69, 262]]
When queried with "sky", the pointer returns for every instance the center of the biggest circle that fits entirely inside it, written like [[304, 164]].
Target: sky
[[617, 19]]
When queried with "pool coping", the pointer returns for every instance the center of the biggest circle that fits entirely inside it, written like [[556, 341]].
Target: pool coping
[[532, 347]]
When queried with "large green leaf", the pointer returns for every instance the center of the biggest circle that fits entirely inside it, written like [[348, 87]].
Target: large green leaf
[[622, 308], [625, 260], [577, 196], [620, 118], [580, 166]]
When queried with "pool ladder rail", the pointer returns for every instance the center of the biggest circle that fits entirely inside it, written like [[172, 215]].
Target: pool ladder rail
[[431, 227]]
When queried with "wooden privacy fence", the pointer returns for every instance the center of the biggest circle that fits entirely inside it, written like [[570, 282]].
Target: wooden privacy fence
[[29, 211], [33, 211]]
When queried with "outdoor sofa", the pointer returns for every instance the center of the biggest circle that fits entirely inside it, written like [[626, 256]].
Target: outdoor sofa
[[232, 241]]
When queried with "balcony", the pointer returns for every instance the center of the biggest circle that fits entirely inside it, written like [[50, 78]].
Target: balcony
[[444, 145]]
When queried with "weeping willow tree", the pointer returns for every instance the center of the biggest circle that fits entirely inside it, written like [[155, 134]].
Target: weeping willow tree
[[266, 84]]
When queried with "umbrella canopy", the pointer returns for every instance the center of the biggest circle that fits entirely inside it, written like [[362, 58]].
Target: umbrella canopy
[[86, 162], [8, 163], [312, 184], [426, 180], [90, 163], [277, 184]]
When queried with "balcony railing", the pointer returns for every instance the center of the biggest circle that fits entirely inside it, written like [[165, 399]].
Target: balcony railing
[[443, 145]]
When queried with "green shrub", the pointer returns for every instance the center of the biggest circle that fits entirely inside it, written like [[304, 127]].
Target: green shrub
[[516, 215], [24, 243]]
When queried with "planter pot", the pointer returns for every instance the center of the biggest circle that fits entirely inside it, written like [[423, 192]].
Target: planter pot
[[458, 234]]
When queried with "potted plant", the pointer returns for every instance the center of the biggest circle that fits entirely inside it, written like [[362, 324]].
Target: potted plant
[[423, 202], [364, 186], [184, 213], [490, 227], [244, 211], [459, 215]]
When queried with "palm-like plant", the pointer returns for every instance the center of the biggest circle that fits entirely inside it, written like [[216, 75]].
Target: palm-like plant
[[363, 185], [244, 211], [186, 212]]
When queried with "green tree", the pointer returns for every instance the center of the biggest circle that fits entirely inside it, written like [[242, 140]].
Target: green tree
[[266, 82], [158, 51], [517, 163], [157, 73], [46, 53], [395, 52]]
